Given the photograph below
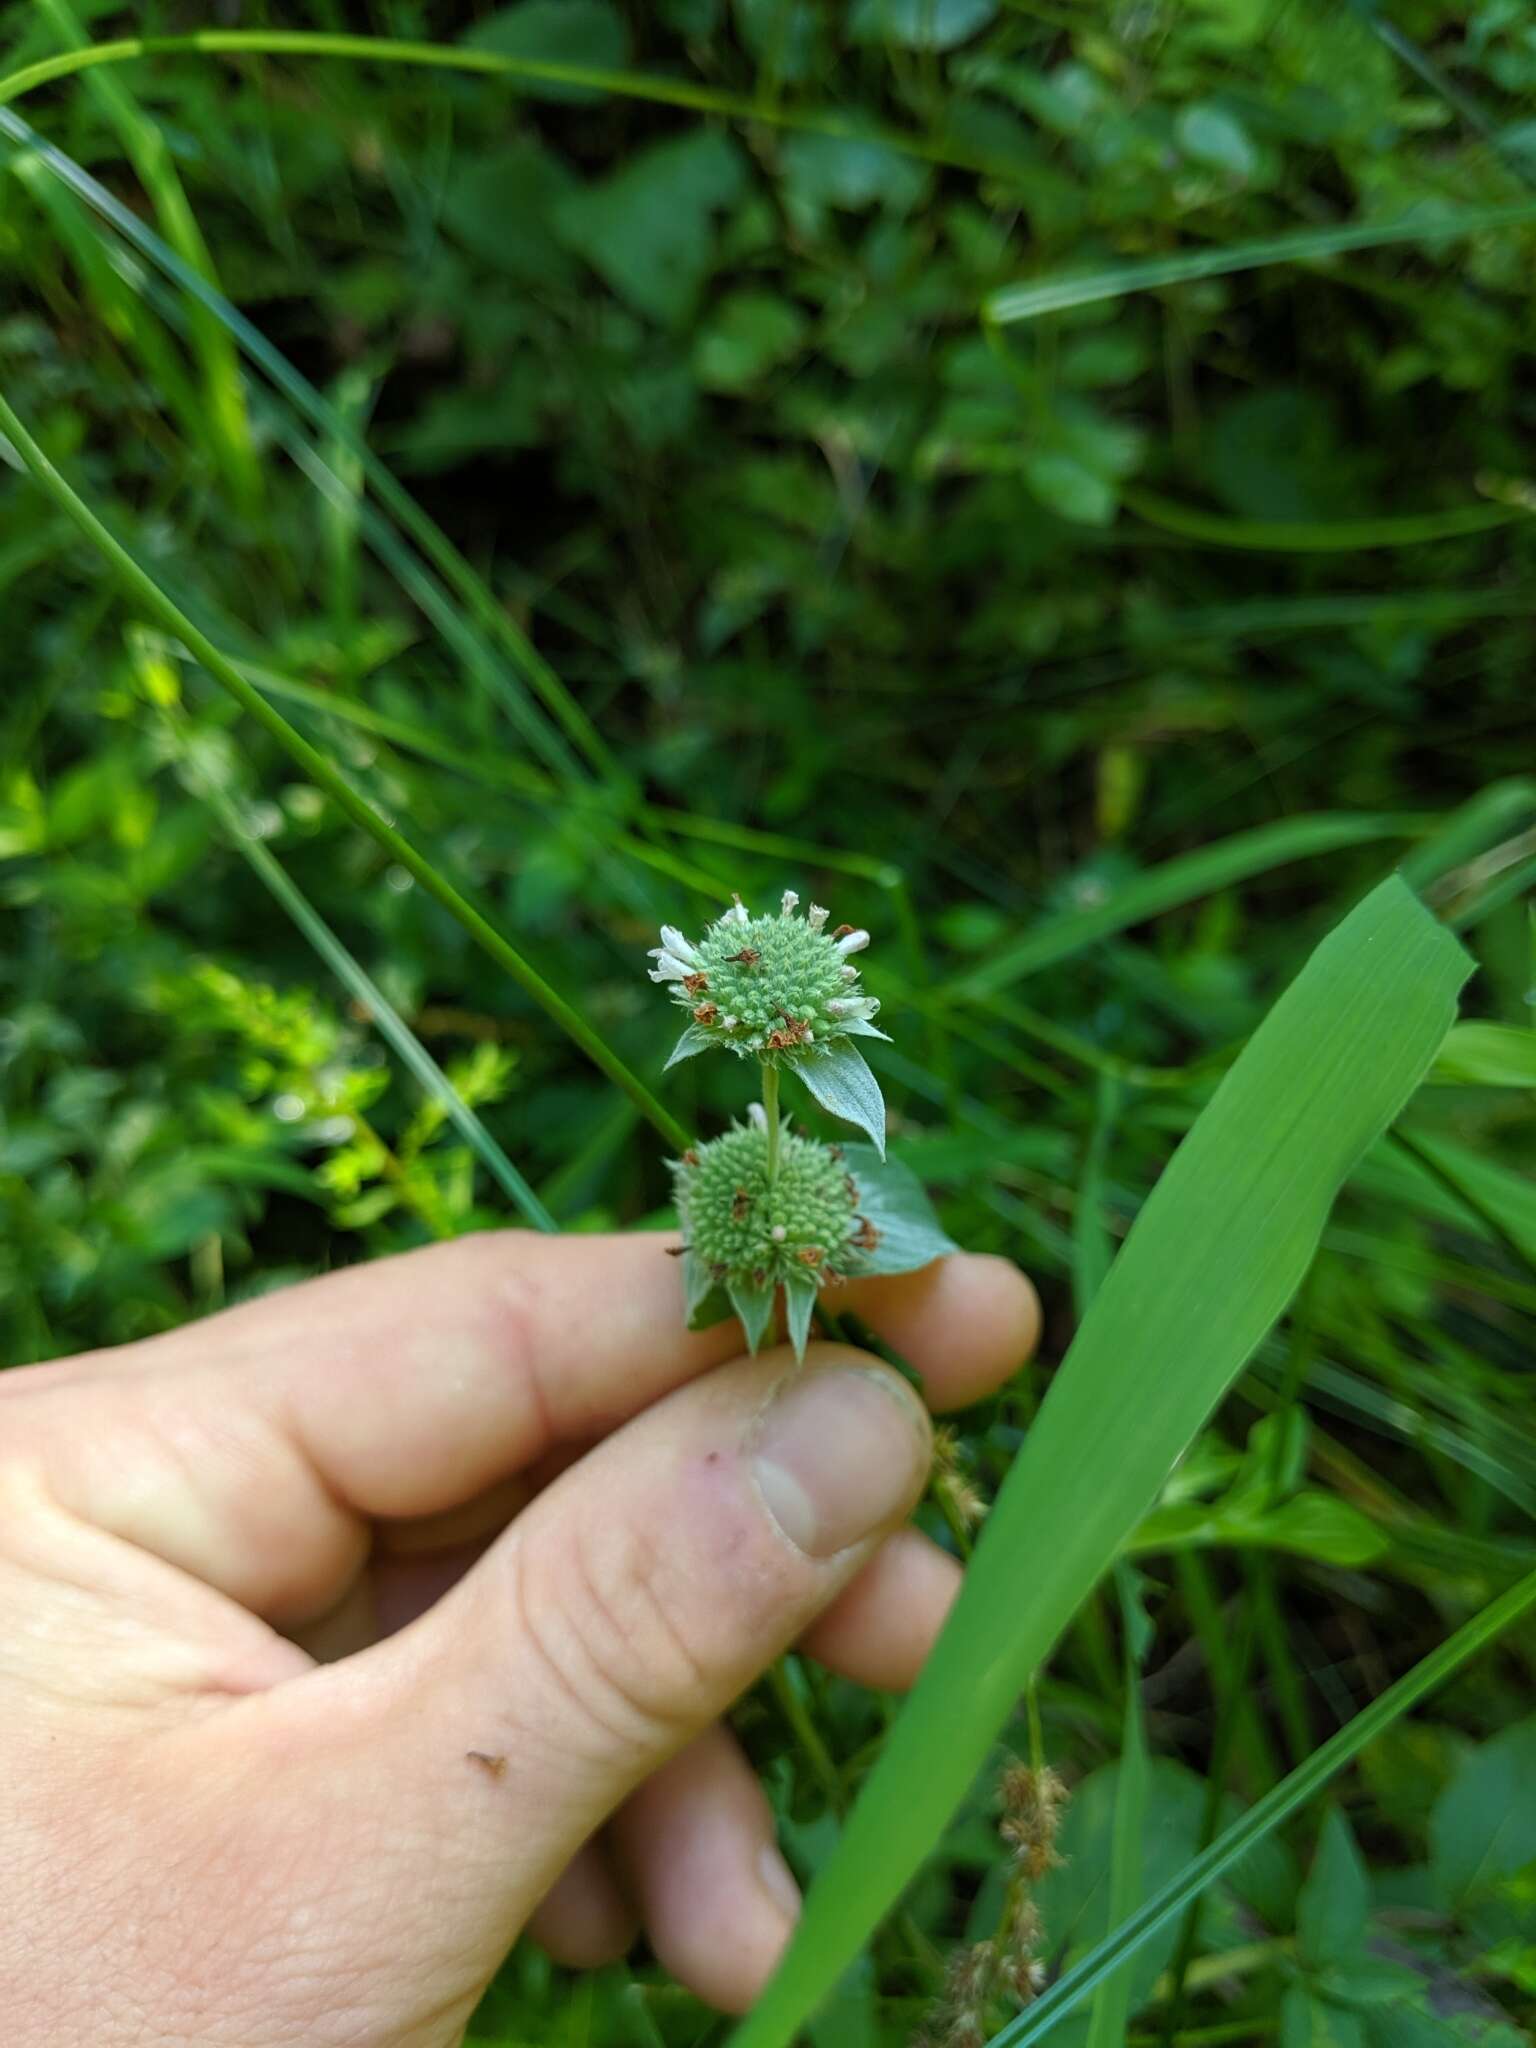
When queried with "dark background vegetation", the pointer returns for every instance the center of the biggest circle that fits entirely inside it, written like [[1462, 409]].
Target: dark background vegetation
[[963, 629]]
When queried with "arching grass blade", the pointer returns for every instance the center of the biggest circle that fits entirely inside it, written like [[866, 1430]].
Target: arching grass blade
[[1215, 1255]]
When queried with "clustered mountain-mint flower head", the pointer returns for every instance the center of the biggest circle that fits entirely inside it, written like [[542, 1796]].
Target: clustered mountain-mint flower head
[[771, 1216], [759, 1223], [776, 989]]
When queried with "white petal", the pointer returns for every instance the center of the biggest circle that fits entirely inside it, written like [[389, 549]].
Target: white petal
[[787, 903], [736, 913], [729, 1023], [855, 942], [778, 1232], [756, 1114], [679, 947], [667, 967], [853, 1006], [816, 916], [850, 974]]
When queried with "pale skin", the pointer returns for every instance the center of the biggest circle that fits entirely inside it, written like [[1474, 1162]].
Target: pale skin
[[346, 1635]]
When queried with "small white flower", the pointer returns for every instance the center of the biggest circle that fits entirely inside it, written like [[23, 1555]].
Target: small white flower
[[737, 913], [680, 948], [778, 1233], [729, 1023], [850, 974], [863, 1007], [668, 967], [855, 942], [816, 916], [787, 903], [758, 1115]]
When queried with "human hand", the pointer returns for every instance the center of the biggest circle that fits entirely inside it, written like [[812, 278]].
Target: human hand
[[347, 1633]]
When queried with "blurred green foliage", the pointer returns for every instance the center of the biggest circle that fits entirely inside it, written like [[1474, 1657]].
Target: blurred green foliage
[[974, 628]]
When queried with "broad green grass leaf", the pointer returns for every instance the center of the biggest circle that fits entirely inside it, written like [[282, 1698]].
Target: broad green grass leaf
[[1213, 1258]]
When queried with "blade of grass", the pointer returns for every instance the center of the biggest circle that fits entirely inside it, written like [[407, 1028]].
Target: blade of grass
[[1216, 1253], [145, 145], [1092, 1249], [635, 85], [224, 671], [484, 624], [1175, 882], [1435, 77], [1482, 821], [355, 978], [1268, 1813], [1056, 294], [1112, 2000], [1316, 536]]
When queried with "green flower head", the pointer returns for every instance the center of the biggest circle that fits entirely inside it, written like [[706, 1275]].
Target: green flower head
[[797, 1225], [778, 989]]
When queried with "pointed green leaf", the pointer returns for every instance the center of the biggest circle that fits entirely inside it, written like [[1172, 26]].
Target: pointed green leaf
[[1331, 1912], [841, 1082], [799, 1301], [891, 1197], [708, 1302], [754, 1305], [1308, 2022], [695, 1039], [860, 1027]]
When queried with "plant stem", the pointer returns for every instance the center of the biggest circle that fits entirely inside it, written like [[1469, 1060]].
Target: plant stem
[[771, 1112]]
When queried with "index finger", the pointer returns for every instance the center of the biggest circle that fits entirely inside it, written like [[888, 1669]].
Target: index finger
[[249, 1448]]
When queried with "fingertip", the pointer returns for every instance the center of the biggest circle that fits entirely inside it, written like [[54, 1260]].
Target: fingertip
[[697, 1846], [585, 1922], [880, 1628], [966, 1323]]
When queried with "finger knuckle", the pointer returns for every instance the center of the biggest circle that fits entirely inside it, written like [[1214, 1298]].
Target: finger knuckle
[[608, 1623]]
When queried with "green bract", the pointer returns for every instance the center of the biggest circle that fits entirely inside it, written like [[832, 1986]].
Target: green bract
[[779, 989]]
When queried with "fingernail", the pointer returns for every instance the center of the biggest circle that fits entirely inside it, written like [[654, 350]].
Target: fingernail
[[838, 1453], [778, 1882]]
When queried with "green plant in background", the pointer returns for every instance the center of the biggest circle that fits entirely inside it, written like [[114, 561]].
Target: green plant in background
[[765, 1211], [604, 457]]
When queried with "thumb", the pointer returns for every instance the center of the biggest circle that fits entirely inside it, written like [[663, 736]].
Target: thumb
[[625, 1610]]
